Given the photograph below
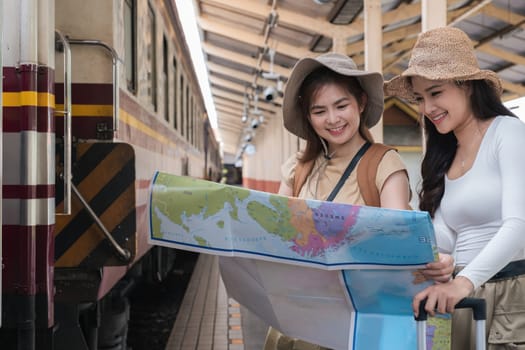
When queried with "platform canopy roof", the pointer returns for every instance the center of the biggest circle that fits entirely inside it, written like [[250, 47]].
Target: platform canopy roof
[[250, 45]]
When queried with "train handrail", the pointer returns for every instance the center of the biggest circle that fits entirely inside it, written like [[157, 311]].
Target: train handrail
[[66, 173], [123, 253], [114, 60]]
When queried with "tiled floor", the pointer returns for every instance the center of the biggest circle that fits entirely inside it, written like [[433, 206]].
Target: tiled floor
[[210, 320]]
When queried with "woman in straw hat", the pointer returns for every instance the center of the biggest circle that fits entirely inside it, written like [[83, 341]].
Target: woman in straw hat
[[331, 104], [472, 184]]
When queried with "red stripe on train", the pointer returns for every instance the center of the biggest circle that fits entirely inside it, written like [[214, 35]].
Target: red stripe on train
[[22, 260], [28, 191], [40, 79], [28, 78], [86, 94], [39, 119]]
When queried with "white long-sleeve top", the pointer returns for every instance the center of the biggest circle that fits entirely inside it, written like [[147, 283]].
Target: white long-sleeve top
[[481, 218]]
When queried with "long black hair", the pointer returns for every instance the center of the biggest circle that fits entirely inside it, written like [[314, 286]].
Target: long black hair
[[441, 148]]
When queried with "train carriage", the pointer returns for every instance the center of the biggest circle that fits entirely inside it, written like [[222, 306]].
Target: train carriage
[[97, 96]]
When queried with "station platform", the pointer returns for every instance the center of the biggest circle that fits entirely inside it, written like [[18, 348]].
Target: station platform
[[210, 320]]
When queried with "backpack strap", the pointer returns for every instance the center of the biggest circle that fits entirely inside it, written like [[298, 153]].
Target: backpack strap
[[351, 166], [302, 170], [367, 172]]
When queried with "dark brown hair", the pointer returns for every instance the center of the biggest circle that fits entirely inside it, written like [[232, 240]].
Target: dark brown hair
[[310, 86]]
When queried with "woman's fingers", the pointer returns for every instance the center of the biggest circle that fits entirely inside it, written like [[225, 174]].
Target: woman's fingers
[[442, 297], [441, 270]]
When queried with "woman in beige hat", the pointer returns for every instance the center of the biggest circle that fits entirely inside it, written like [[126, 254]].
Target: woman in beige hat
[[472, 184], [331, 104]]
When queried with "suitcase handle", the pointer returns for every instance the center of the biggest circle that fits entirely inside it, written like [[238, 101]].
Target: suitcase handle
[[478, 306]]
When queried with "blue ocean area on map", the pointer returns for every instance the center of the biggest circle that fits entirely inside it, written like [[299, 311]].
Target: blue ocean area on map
[[372, 253], [332, 235]]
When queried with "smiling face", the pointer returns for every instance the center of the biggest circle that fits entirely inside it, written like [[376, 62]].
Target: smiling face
[[334, 114], [445, 103]]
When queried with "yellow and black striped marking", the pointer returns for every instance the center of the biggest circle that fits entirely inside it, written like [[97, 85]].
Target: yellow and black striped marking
[[104, 174]]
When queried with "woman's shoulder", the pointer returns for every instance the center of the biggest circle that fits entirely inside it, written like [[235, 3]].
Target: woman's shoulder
[[290, 163], [393, 157], [506, 122], [293, 158], [390, 163], [506, 128], [506, 134], [289, 166]]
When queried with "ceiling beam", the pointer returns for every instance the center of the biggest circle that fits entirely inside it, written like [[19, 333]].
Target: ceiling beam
[[233, 112], [238, 87], [238, 113], [234, 125], [242, 59], [451, 16], [233, 97], [240, 105], [401, 13], [217, 68], [512, 87], [229, 104], [232, 33], [289, 18], [507, 56], [388, 37], [503, 15]]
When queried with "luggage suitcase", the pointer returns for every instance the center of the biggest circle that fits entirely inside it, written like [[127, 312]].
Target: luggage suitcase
[[479, 313]]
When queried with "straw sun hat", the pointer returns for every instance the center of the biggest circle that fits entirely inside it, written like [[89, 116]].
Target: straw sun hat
[[371, 82], [443, 53]]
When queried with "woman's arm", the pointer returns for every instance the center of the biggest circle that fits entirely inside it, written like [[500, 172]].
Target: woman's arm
[[395, 193], [442, 269]]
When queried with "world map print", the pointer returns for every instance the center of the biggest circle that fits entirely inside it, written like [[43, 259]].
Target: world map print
[[229, 220], [349, 273]]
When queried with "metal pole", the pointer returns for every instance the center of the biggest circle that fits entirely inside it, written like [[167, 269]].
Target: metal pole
[[67, 124], [114, 61], [123, 253]]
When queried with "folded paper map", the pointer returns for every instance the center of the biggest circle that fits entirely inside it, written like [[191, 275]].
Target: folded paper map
[[334, 274]]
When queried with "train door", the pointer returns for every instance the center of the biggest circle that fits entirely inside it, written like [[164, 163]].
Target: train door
[[95, 192]]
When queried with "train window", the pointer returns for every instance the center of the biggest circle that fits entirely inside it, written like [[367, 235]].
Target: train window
[[165, 78], [181, 103], [190, 121], [175, 88], [186, 116], [202, 130], [130, 34], [197, 128], [195, 124], [151, 59], [185, 166]]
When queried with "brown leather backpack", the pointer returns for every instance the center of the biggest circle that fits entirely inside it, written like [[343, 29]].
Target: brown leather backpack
[[366, 174]]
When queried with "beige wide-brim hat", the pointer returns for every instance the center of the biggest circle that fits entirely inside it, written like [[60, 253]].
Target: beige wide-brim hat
[[444, 53], [371, 82]]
